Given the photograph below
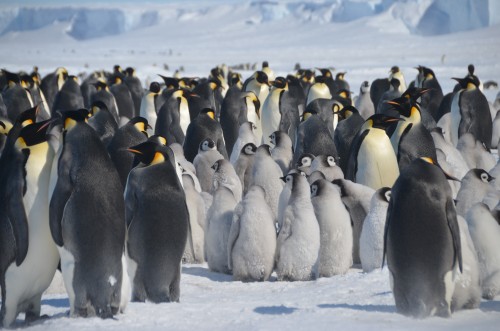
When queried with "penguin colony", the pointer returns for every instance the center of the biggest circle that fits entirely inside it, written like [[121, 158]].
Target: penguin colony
[[121, 184]]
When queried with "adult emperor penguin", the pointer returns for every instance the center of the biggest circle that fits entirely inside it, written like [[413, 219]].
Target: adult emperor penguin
[[244, 165], [69, 96], [345, 132], [392, 93], [319, 90], [470, 112], [298, 242], [102, 121], [422, 281], [15, 96], [379, 86], [135, 86], [123, 97], [148, 104], [258, 83], [103, 94], [371, 241], [87, 177], [29, 256], [173, 118], [245, 135], [131, 134], [485, 231], [269, 72], [155, 243], [336, 240], [202, 127], [203, 162], [271, 113], [253, 113], [52, 83], [363, 103], [372, 160], [282, 151], [232, 114], [432, 99], [252, 238]]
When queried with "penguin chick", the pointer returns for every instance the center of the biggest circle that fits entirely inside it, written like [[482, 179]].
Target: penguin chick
[[244, 165], [203, 162], [327, 165], [225, 175], [335, 253], [304, 163], [179, 157], [252, 239], [371, 241], [245, 136], [475, 153], [285, 196], [485, 233], [475, 186], [363, 103], [298, 242], [282, 153]]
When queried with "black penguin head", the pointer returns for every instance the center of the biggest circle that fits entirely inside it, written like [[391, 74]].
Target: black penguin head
[[340, 75], [381, 121], [265, 64], [394, 70], [305, 160], [11, 78], [330, 160], [235, 79], [384, 194], [150, 153], [279, 82], [346, 111], [171, 83], [470, 69], [28, 116], [429, 160], [26, 81], [208, 112], [154, 87], [317, 188], [275, 138], [97, 106], [249, 149], [344, 94], [468, 82], [71, 117], [130, 72], [141, 124], [100, 85], [207, 144], [484, 176], [325, 72], [158, 139], [117, 69], [395, 84], [262, 77], [428, 73], [32, 134], [214, 83], [264, 149], [309, 113]]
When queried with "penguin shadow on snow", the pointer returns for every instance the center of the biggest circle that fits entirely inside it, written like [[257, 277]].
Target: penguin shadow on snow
[[206, 273], [367, 308], [490, 306], [20, 323], [275, 310]]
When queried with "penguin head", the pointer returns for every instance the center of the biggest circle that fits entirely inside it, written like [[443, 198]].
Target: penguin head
[[32, 134], [62, 72], [344, 112], [11, 78], [262, 78], [249, 149], [298, 181], [171, 83], [484, 176], [344, 94], [395, 84], [214, 83], [151, 153], [158, 139], [141, 124], [265, 64], [264, 149], [208, 112], [318, 187], [380, 121], [207, 144], [305, 160], [279, 82], [26, 81], [429, 160], [384, 194], [117, 69], [235, 79], [275, 138], [96, 107], [394, 70], [340, 75], [365, 87], [28, 116], [154, 88], [130, 72], [70, 118], [428, 73], [330, 160], [468, 83], [325, 72], [308, 113]]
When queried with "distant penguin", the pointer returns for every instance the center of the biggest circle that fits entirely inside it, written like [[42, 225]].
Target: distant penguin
[[345, 133], [258, 83], [341, 82], [271, 113], [421, 220], [135, 87], [102, 121], [103, 94], [282, 152], [29, 256], [327, 165], [371, 241], [87, 177], [467, 294], [232, 114], [203, 162], [52, 83], [318, 90], [245, 135], [379, 86], [131, 134], [432, 99], [391, 94], [155, 243], [357, 199], [470, 113], [202, 127], [485, 233], [266, 173], [179, 157], [298, 244], [253, 114], [173, 118], [363, 103], [195, 244], [269, 72], [225, 175], [244, 165], [252, 238], [16, 98], [123, 97], [336, 240], [475, 186], [148, 104], [304, 163], [475, 153], [372, 160], [69, 96], [219, 219]]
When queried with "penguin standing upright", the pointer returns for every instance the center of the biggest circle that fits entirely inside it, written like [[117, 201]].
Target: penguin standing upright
[[225, 175], [271, 114], [422, 241], [123, 97], [155, 243], [103, 94], [391, 94], [432, 99], [345, 133], [90, 240], [299, 237], [148, 104], [470, 113], [253, 114], [372, 160], [136, 89], [29, 256], [69, 96], [102, 121], [232, 114], [52, 83], [336, 240], [173, 118], [282, 152], [209, 92], [244, 165], [363, 103], [16, 97], [258, 83], [203, 162]]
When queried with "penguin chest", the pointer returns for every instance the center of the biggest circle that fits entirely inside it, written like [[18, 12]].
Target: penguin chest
[[456, 118], [184, 115], [376, 161], [148, 110], [271, 115]]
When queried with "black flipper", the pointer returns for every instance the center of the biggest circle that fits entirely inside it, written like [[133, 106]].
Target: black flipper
[[451, 216]]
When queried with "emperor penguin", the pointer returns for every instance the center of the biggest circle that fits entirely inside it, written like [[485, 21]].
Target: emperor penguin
[[470, 112], [319, 90], [232, 114], [271, 113], [422, 220], [372, 161], [245, 135], [475, 186], [266, 173], [69, 96], [37, 94], [363, 103], [202, 127], [269, 72], [173, 118], [327, 165], [336, 240], [244, 165], [29, 256], [253, 113], [52, 83], [282, 152], [225, 175], [371, 240], [15, 96], [87, 177], [131, 134], [219, 219], [485, 230], [103, 94], [195, 244], [379, 86], [148, 104], [345, 132], [304, 163], [252, 239], [475, 153], [102, 121], [285, 196], [392, 93], [258, 83], [203, 162], [123, 97], [135, 86], [432, 99], [298, 241], [155, 243], [357, 200]]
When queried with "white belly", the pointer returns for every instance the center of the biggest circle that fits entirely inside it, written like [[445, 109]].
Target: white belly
[[68, 270], [270, 116], [148, 110], [455, 118], [184, 115]]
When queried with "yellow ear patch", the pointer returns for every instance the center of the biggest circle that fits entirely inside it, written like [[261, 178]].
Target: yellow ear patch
[[211, 114], [20, 143], [27, 122], [471, 86], [162, 140], [69, 123], [307, 115], [427, 159], [140, 126], [213, 86], [158, 158], [343, 94]]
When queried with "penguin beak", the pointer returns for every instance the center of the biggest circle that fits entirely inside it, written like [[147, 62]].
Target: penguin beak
[[391, 102], [283, 179], [46, 124], [135, 151]]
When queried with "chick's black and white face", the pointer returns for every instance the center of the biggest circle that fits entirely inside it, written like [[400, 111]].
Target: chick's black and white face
[[305, 161], [387, 195], [485, 177], [331, 161], [207, 145], [273, 138], [249, 150], [314, 190]]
